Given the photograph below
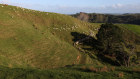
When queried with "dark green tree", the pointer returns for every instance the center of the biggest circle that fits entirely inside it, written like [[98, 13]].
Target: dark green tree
[[117, 41]]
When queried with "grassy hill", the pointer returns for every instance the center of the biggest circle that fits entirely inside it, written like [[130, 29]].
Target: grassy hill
[[37, 39]]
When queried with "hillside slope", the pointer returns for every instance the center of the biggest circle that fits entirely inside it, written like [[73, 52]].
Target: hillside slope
[[31, 38]]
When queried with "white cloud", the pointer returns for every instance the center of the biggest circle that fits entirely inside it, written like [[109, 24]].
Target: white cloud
[[116, 8], [4, 1], [117, 5]]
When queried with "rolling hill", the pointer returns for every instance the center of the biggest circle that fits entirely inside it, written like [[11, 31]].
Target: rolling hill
[[37, 39]]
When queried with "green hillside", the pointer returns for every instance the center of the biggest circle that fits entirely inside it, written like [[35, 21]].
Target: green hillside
[[37, 39], [133, 28]]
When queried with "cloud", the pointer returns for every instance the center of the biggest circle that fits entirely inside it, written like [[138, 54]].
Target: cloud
[[5, 1], [24, 5], [119, 8], [115, 8], [117, 5]]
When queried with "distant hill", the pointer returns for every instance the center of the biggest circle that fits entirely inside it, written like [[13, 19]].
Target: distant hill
[[109, 18]]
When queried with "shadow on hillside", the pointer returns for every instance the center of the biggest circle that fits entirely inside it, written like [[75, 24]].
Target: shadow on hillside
[[90, 47], [90, 41]]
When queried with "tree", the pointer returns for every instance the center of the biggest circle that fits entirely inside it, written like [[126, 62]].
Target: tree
[[117, 41]]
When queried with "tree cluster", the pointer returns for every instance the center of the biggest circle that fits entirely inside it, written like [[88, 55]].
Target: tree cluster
[[118, 42]]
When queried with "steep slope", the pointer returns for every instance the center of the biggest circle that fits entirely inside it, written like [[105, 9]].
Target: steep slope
[[31, 38]]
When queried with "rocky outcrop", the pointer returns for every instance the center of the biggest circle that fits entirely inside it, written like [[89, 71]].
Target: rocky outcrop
[[83, 16]]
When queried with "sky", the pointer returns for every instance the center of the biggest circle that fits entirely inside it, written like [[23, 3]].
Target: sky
[[76, 6]]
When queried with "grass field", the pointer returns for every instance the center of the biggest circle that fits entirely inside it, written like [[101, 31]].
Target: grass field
[[73, 72], [134, 28]]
